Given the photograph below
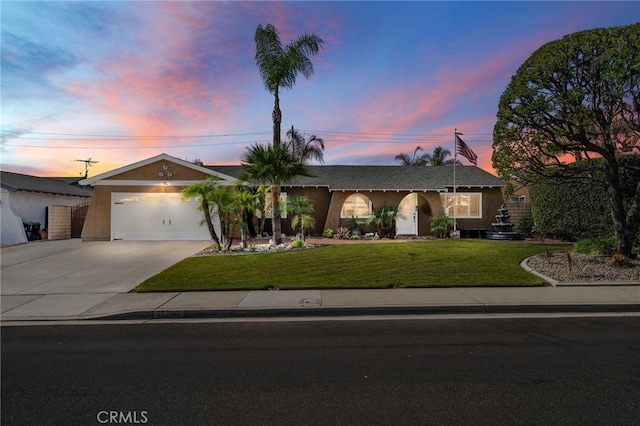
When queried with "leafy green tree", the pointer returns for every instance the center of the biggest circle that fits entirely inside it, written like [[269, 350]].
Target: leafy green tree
[[203, 192], [575, 99], [271, 166], [300, 207], [279, 66], [305, 149]]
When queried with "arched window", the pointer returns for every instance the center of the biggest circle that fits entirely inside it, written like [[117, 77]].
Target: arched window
[[357, 205]]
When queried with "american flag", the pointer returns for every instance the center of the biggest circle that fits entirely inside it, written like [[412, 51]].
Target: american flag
[[464, 150]]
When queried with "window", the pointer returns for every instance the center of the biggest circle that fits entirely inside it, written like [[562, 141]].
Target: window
[[357, 205], [468, 205]]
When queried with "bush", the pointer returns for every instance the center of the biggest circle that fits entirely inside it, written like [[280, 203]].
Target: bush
[[441, 225], [526, 226], [619, 260], [342, 233], [601, 246], [297, 243], [572, 210], [328, 233]]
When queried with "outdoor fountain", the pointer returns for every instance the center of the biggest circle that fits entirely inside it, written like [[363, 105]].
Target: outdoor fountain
[[503, 229]]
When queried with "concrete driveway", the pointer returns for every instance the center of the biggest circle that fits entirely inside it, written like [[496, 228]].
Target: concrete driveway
[[70, 275]]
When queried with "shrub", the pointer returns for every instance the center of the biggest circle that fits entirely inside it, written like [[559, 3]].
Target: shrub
[[297, 243], [441, 225], [572, 210], [527, 226], [328, 233], [619, 260], [601, 246], [342, 233], [354, 237]]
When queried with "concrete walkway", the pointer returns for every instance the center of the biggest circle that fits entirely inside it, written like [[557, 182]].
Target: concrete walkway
[[72, 280]]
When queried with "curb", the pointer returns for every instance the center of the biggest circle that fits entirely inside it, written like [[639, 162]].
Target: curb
[[371, 311]]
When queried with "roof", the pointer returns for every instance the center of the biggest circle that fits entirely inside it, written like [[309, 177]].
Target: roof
[[387, 178], [19, 182], [160, 157]]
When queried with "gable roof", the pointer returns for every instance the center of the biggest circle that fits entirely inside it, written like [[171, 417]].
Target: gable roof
[[387, 178], [18, 182], [166, 157]]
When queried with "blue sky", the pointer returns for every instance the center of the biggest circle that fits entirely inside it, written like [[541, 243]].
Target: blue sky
[[121, 81]]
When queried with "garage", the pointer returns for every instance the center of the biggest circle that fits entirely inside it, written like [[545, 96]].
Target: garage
[[156, 216]]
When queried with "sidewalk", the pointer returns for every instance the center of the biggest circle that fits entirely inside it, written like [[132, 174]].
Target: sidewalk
[[305, 303]]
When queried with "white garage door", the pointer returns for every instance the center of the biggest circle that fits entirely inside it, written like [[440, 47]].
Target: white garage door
[[156, 216]]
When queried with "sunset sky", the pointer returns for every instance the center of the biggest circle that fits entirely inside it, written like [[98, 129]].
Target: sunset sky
[[122, 81]]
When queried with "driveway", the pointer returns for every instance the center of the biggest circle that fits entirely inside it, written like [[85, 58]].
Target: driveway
[[56, 279], [73, 266]]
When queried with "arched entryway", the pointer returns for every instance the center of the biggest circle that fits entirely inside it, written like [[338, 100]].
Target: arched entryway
[[407, 220]]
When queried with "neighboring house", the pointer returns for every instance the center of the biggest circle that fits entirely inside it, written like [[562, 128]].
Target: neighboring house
[[143, 200], [25, 198]]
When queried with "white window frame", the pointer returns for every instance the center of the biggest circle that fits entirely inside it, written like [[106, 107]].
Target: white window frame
[[369, 205], [461, 214]]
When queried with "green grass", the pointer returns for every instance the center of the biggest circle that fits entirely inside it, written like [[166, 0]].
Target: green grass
[[446, 263]]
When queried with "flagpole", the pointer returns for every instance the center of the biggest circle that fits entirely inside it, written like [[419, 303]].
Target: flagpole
[[455, 160]]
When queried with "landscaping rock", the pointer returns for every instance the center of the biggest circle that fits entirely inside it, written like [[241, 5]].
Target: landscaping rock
[[569, 266]]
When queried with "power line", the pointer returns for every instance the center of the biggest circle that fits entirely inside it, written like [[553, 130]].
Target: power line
[[343, 136]]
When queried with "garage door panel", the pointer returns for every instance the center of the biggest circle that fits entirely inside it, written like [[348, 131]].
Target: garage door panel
[[156, 216]]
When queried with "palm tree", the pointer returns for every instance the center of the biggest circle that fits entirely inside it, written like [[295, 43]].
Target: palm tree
[[203, 191], [300, 206], [439, 157], [280, 66], [305, 149], [413, 160], [271, 166], [385, 219]]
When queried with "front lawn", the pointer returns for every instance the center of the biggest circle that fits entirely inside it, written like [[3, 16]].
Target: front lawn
[[445, 263]]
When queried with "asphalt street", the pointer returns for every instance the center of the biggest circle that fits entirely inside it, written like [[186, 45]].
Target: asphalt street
[[573, 371]]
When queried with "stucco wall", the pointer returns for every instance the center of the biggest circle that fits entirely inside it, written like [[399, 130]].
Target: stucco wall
[[12, 231], [28, 207]]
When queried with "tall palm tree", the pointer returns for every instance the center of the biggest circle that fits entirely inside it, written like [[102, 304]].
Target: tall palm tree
[[280, 66], [271, 165], [305, 149], [413, 160], [204, 193]]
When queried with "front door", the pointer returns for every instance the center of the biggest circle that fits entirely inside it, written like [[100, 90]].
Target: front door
[[407, 221]]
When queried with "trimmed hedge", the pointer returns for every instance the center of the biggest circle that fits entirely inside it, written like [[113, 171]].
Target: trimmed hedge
[[574, 211]]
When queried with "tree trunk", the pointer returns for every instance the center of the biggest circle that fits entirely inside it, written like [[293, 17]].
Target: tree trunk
[[277, 119], [276, 220], [207, 218], [625, 225]]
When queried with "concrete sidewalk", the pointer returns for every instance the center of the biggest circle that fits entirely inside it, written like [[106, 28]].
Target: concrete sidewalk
[[238, 304]]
